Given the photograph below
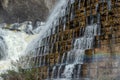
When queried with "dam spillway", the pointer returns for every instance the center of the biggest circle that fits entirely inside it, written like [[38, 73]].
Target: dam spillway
[[82, 43]]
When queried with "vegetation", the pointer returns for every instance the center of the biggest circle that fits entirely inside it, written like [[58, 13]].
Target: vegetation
[[20, 73]]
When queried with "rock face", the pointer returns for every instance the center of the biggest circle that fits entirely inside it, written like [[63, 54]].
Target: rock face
[[50, 3], [22, 10]]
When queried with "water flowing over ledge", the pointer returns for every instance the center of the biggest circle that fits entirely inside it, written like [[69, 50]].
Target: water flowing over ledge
[[12, 47], [68, 53], [75, 56], [45, 31]]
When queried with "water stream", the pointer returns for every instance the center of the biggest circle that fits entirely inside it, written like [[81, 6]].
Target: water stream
[[12, 45], [16, 44]]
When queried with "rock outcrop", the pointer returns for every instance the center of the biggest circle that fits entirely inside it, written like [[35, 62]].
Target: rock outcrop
[[23, 10], [50, 4]]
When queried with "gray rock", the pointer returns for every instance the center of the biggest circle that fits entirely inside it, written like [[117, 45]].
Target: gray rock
[[23, 10]]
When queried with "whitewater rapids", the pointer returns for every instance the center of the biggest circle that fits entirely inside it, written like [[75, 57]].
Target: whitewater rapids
[[16, 44]]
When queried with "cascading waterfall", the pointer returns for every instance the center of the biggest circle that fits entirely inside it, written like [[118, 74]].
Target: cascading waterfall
[[52, 21], [17, 44], [74, 58], [12, 47], [68, 71], [76, 55], [3, 46]]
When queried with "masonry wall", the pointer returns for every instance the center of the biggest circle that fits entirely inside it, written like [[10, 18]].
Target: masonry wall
[[101, 62]]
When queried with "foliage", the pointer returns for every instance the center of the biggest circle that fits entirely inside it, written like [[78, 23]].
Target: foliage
[[20, 73]]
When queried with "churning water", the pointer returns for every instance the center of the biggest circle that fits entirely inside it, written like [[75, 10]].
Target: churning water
[[17, 44], [12, 47]]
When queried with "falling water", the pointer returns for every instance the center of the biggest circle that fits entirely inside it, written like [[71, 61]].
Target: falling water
[[12, 47], [68, 71], [78, 72], [63, 57], [3, 48], [76, 55], [59, 71], [16, 43], [53, 71], [53, 18], [68, 54]]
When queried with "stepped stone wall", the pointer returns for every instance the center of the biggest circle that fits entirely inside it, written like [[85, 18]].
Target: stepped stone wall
[[101, 62]]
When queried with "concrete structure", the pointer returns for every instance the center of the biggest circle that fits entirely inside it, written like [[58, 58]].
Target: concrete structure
[[100, 62]]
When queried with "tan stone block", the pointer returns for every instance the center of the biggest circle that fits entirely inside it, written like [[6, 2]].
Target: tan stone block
[[93, 73], [117, 49], [115, 63], [114, 71], [102, 64], [84, 73], [103, 49], [93, 65]]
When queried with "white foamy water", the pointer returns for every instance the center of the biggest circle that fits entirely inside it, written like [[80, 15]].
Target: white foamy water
[[16, 44]]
